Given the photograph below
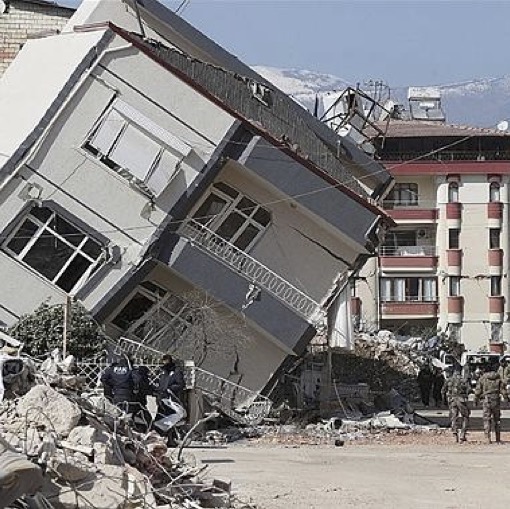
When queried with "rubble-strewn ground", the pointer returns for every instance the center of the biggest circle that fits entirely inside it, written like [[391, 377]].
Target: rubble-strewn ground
[[419, 471]]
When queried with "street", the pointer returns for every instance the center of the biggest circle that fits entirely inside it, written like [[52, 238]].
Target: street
[[366, 476]]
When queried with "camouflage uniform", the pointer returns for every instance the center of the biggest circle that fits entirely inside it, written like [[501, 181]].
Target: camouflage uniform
[[490, 388], [504, 373], [456, 391]]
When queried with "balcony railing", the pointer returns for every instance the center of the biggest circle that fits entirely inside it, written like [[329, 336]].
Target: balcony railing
[[447, 155], [407, 251], [252, 270], [410, 299]]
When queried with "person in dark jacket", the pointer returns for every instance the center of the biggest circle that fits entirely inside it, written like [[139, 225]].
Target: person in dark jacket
[[142, 418], [425, 383], [169, 393], [437, 387], [121, 383]]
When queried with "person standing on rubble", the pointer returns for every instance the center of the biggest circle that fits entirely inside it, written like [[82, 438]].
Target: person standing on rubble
[[425, 378], [456, 390], [490, 388], [169, 394], [121, 383]]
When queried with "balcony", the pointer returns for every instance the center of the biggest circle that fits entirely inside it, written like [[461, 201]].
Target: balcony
[[454, 211], [252, 270], [411, 308], [495, 210], [408, 257], [413, 214]]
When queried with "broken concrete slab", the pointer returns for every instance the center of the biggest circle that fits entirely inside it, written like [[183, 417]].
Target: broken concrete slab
[[18, 476], [46, 407]]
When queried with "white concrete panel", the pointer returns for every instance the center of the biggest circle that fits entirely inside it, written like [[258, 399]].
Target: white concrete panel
[[24, 97]]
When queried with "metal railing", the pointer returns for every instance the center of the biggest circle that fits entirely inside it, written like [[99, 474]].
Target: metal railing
[[410, 299], [447, 155], [252, 270], [408, 251]]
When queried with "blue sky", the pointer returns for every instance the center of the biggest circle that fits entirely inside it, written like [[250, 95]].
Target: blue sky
[[402, 42]]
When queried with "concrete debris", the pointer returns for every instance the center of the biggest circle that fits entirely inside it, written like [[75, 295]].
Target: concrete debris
[[46, 407], [78, 453]]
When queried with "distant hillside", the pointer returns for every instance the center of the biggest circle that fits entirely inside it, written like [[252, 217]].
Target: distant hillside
[[480, 102]]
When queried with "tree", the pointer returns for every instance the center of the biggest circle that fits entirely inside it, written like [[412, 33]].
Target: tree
[[42, 331]]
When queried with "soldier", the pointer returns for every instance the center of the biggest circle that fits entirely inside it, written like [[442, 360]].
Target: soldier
[[504, 371], [456, 390], [490, 388]]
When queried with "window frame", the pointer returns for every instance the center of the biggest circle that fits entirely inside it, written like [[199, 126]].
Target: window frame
[[43, 228], [130, 117], [230, 207], [494, 238], [496, 332], [494, 192], [453, 192], [402, 285], [397, 196], [454, 331], [454, 286], [453, 238], [495, 286], [158, 298]]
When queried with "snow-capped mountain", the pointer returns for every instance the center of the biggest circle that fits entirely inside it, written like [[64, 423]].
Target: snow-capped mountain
[[480, 102]]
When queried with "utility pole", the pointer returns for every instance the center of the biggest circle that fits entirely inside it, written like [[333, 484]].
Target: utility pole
[[67, 324]]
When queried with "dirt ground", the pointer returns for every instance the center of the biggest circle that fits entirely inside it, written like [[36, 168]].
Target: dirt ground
[[395, 471]]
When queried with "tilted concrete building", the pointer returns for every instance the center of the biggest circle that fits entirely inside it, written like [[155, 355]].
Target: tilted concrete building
[[150, 164]]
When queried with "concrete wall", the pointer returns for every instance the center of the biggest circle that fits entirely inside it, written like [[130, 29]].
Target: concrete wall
[[285, 247], [24, 20]]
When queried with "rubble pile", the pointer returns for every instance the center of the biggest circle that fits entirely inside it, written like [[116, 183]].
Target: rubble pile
[[78, 452], [337, 431]]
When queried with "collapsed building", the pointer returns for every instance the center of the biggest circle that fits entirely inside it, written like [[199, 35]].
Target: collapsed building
[[143, 167]]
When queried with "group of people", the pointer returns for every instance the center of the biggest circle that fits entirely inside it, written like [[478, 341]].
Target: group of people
[[128, 386], [431, 381], [491, 387]]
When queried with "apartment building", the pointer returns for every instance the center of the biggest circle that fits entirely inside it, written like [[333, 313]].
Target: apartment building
[[445, 265]]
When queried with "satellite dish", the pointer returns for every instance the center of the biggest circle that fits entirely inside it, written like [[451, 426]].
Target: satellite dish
[[502, 126]]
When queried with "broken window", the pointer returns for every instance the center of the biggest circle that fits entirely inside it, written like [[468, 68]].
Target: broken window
[[153, 312], [55, 248], [232, 215], [137, 148]]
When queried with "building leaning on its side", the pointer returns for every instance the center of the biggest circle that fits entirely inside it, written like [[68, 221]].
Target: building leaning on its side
[[21, 20], [445, 265]]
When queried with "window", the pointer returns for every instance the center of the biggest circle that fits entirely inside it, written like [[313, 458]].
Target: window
[[232, 215], [494, 238], [55, 248], [496, 332], [408, 289], [153, 314], [495, 286], [494, 189], [453, 192], [453, 238], [454, 331], [137, 148], [404, 194], [454, 286]]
